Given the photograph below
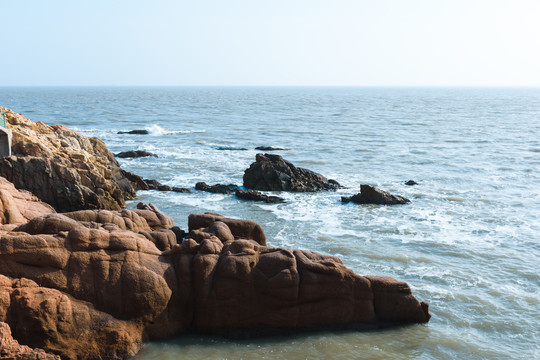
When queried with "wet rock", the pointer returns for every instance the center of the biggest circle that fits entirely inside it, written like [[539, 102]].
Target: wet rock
[[372, 195], [411, 182], [152, 184], [270, 148], [135, 132], [164, 188], [273, 173], [134, 154], [230, 148], [258, 196], [181, 190], [217, 188]]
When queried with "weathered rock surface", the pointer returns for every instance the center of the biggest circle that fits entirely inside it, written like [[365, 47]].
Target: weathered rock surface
[[17, 207], [273, 173], [63, 168], [134, 154], [95, 284], [372, 195], [258, 196], [217, 188]]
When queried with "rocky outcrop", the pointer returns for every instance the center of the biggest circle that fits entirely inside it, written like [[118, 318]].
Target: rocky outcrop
[[253, 195], [273, 173], [411, 183], [372, 195], [63, 168], [217, 188], [134, 154]]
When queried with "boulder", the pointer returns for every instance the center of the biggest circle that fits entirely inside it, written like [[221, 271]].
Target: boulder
[[240, 229], [217, 188], [17, 207], [257, 196], [134, 154], [372, 195], [411, 182], [63, 168], [273, 173]]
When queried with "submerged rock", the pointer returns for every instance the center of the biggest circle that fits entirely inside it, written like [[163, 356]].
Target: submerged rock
[[135, 132], [411, 182], [134, 154], [372, 195], [258, 196], [273, 173], [217, 188]]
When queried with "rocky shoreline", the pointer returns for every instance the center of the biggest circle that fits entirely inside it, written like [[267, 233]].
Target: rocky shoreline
[[82, 277]]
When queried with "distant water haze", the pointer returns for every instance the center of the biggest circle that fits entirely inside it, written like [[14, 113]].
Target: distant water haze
[[467, 242]]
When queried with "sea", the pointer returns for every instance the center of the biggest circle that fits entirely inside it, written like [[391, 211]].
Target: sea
[[468, 242]]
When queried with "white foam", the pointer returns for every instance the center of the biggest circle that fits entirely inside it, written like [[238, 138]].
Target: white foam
[[156, 130]]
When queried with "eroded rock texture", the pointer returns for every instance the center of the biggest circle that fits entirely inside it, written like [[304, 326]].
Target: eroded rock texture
[[63, 168], [273, 173]]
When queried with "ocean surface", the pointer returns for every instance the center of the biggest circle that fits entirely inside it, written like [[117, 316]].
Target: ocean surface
[[468, 243]]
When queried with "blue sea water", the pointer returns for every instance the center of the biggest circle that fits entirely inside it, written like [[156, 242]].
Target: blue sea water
[[468, 243]]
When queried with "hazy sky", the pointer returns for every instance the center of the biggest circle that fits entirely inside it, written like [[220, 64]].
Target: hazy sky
[[270, 42]]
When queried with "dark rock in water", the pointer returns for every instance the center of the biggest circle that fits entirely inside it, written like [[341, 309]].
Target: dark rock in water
[[258, 196], [135, 181], [134, 154], [181, 190], [372, 195], [273, 173], [411, 182], [135, 132], [217, 188], [229, 148], [269, 148], [164, 188], [152, 184]]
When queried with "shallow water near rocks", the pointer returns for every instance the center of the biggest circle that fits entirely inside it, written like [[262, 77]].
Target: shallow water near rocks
[[467, 243]]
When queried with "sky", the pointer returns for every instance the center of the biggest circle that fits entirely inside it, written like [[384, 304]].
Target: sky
[[270, 43]]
